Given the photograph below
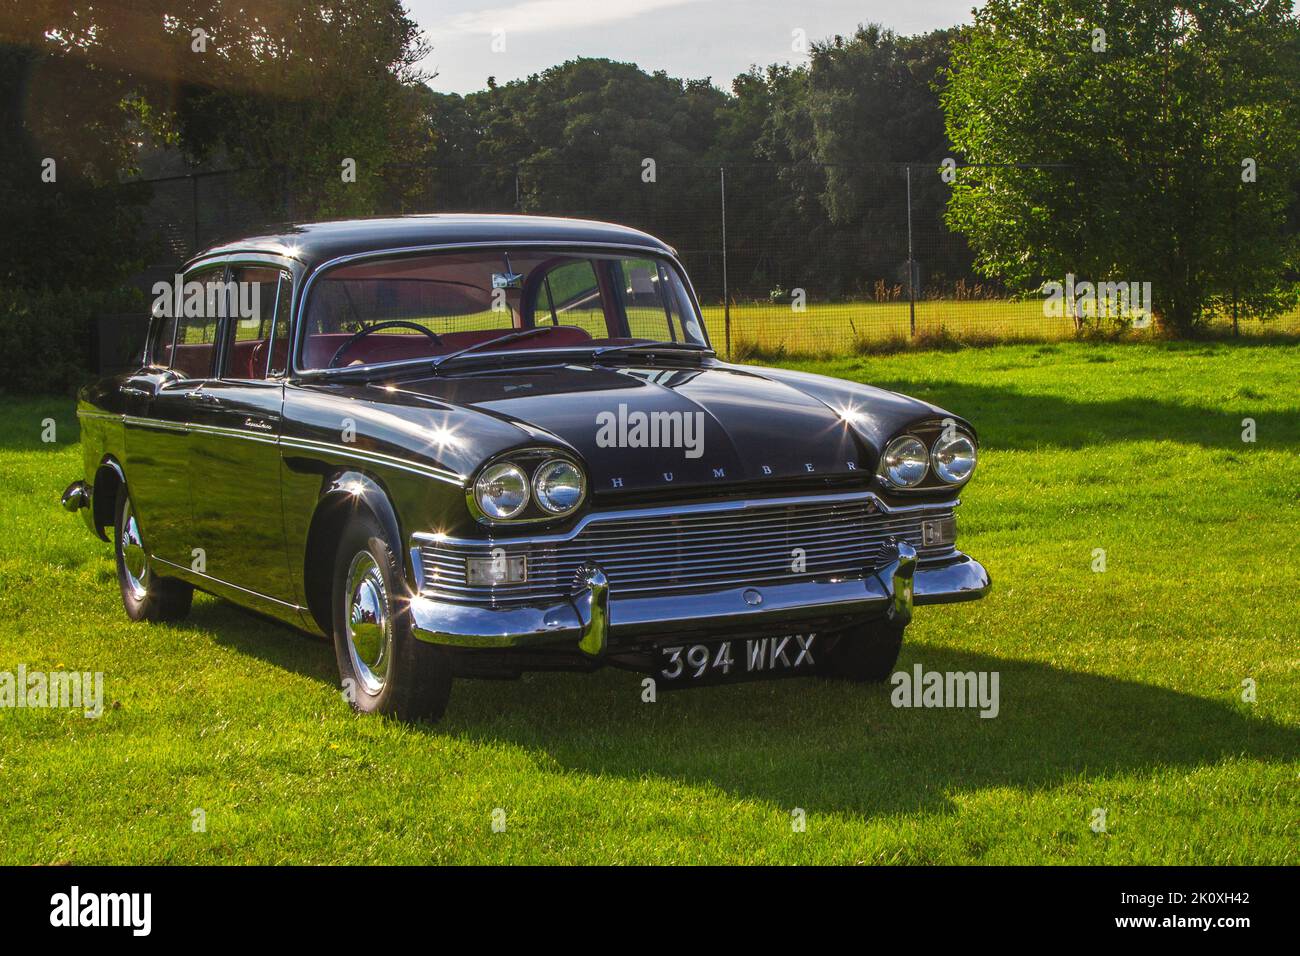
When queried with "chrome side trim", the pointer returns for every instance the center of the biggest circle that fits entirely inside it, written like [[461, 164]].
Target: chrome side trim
[[374, 458], [156, 423], [262, 437], [190, 573]]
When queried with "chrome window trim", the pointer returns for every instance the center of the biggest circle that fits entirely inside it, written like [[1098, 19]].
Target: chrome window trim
[[299, 312], [660, 511]]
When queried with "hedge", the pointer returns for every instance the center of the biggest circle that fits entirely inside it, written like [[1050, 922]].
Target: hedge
[[49, 341]]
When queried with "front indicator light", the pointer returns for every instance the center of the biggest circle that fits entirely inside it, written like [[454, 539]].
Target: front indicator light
[[496, 568]]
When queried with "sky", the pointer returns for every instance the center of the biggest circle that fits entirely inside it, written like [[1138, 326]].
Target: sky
[[691, 39]]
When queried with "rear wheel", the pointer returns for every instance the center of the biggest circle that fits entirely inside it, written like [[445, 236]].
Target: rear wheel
[[384, 668], [865, 653], [145, 595]]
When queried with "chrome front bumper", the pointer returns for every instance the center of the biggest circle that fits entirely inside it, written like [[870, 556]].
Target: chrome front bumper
[[595, 616]]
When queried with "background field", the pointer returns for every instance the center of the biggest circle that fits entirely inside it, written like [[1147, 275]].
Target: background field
[[1119, 690], [864, 326]]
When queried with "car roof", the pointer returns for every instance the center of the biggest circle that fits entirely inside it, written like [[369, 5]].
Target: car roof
[[313, 243]]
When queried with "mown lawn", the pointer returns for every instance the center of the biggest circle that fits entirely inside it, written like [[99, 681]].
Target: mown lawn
[[838, 328], [1120, 690]]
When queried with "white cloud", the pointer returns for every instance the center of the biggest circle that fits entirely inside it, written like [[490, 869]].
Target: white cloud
[[545, 16]]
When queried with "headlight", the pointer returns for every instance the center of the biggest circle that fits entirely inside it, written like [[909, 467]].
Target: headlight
[[502, 490], [953, 457], [904, 462], [558, 486]]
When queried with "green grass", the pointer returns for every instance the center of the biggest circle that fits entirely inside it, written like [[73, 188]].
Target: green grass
[[1119, 690], [839, 328]]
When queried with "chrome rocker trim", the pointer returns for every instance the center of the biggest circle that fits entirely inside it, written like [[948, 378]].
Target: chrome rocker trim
[[594, 615]]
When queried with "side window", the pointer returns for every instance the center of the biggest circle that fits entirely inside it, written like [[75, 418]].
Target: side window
[[280, 337], [198, 323], [570, 295], [160, 353], [251, 306], [648, 301]]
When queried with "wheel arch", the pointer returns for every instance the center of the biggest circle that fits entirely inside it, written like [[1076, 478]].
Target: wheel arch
[[343, 493], [109, 477]]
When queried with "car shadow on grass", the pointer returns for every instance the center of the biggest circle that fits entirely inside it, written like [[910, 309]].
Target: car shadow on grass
[[824, 745], [837, 747]]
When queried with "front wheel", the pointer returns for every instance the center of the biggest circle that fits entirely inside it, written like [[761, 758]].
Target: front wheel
[[384, 668], [864, 653], [145, 595]]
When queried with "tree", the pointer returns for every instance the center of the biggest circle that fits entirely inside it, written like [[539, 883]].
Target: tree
[[286, 90], [1132, 140]]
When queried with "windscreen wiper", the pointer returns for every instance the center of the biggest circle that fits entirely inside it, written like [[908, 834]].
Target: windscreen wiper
[[512, 337], [653, 347]]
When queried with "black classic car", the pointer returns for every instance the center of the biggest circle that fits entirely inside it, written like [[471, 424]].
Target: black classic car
[[470, 446]]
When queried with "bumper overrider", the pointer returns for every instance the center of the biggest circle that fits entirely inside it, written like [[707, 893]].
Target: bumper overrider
[[595, 617]]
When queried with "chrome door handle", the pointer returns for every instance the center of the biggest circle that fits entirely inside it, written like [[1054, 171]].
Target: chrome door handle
[[203, 397]]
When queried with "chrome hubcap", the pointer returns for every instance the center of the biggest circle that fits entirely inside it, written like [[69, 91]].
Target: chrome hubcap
[[134, 563], [369, 631]]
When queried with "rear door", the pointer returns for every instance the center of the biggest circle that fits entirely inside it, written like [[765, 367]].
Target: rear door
[[234, 437], [157, 437]]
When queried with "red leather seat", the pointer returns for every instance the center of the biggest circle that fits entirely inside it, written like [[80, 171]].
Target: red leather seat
[[383, 347]]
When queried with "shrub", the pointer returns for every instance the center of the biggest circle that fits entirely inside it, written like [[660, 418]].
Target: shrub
[[48, 340]]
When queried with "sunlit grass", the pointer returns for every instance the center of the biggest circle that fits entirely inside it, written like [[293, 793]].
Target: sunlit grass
[[1120, 690]]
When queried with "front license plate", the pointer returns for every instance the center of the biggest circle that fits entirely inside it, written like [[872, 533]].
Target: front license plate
[[753, 658]]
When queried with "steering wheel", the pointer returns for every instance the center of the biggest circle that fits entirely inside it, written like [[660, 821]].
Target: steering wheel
[[390, 324]]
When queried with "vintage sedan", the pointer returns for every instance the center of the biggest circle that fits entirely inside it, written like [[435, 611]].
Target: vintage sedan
[[470, 446]]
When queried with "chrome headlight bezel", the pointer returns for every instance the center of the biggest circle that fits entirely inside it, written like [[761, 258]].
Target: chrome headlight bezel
[[541, 496], [496, 471], [886, 472], [530, 463], [947, 440]]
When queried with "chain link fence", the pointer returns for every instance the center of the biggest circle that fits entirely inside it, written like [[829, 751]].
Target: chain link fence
[[776, 271]]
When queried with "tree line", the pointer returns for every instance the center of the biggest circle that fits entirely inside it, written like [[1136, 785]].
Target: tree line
[[1127, 140]]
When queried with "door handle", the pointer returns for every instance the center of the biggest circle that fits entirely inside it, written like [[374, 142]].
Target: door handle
[[204, 397]]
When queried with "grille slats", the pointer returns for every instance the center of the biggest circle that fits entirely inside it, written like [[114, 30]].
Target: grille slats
[[692, 549]]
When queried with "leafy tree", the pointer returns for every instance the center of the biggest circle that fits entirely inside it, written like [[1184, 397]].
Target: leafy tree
[[286, 90], [578, 136], [1135, 117], [293, 90]]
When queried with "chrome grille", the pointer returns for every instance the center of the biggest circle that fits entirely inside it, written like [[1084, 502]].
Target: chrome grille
[[694, 547]]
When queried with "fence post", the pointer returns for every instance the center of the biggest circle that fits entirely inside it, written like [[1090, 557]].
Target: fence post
[[911, 264], [726, 294], [194, 209]]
